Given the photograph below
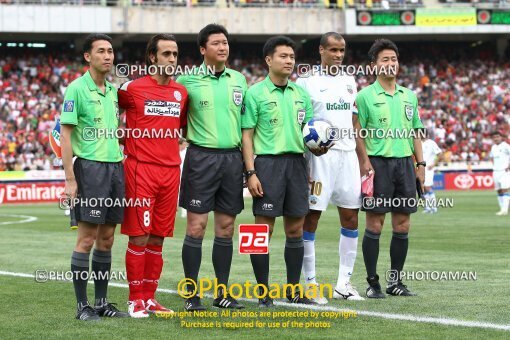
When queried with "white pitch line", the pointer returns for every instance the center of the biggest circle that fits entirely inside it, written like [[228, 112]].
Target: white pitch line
[[390, 316], [16, 274], [26, 220]]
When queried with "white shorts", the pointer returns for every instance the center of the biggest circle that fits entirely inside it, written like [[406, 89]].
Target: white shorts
[[429, 178], [335, 178], [501, 179]]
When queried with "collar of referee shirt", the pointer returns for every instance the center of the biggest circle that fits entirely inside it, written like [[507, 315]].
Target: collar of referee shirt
[[205, 72], [93, 87], [379, 89], [272, 87]]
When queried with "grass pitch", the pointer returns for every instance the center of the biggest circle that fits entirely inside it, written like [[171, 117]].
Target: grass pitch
[[468, 237]]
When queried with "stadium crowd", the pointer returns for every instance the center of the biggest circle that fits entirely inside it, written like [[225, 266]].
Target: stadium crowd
[[462, 102]]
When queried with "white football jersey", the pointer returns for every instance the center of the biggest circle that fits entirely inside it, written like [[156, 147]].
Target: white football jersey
[[333, 99], [430, 151], [500, 155]]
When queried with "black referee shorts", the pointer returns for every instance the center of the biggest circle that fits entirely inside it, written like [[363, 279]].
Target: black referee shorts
[[284, 180], [100, 191], [394, 186], [212, 180]]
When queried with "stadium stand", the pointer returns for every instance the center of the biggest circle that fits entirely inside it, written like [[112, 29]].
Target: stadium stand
[[464, 96]]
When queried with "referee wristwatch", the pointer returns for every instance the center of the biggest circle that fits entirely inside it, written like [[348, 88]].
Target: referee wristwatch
[[424, 164], [250, 173]]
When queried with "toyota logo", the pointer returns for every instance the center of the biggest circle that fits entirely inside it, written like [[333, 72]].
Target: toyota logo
[[464, 181]]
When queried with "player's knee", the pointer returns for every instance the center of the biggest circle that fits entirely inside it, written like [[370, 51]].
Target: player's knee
[[196, 226], [105, 242], [351, 222], [402, 227], [155, 240], [374, 229], [195, 231], [226, 231], [85, 243], [294, 231], [374, 226], [140, 241]]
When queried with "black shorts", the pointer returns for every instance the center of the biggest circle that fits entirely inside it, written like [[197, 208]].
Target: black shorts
[[100, 191], [284, 180], [212, 179], [394, 186]]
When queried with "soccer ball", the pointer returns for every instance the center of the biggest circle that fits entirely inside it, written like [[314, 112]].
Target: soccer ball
[[317, 133]]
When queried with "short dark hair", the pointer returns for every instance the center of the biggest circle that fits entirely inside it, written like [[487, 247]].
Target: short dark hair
[[89, 40], [272, 43], [496, 133], [325, 38], [205, 32], [152, 45], [378, 46]]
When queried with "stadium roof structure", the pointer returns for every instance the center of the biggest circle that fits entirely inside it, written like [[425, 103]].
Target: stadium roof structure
[[301, 19]]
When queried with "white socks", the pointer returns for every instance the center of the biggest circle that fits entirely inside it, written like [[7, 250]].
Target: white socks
[[500, 201], [347, 250], [309, 257], [506, 201]]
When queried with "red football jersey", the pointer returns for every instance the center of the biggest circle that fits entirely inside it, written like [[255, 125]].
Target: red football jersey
[[155, 115]]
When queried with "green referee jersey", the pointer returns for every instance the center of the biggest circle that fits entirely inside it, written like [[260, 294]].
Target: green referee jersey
[[90, 110], [277, 116], [214, 109], [379, 112]]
